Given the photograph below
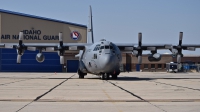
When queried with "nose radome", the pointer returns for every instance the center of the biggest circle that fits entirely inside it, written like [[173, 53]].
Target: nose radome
[[106, 62]]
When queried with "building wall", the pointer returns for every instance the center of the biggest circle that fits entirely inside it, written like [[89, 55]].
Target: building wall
[[159, 66], [0, 26], [194, 59], [134, 61], [35, 31], [13, 24]]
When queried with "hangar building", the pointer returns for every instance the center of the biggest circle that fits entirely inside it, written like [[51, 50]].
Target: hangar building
[[36, 30]]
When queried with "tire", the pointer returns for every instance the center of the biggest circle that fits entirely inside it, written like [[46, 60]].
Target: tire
[[81, 75], [103, 76], [107, 76]]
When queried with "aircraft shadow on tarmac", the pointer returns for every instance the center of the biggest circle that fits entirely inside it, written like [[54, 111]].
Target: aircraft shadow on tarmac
[[119, 78], [132, 79], [122, 78]]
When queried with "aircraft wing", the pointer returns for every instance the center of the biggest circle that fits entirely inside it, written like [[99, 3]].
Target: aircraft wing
[[47, 47], [131, 47], [191, 47], [2, 45]]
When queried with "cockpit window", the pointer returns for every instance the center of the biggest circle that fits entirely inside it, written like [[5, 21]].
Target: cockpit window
[[96, 47], [107, 47]]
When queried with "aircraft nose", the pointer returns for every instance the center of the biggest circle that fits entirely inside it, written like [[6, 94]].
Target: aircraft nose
[[107, 63]]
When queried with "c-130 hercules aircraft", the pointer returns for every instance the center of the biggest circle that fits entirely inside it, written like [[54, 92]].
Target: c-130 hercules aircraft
[[101, 58]]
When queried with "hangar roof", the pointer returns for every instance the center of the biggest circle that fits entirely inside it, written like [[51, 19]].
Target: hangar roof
[[38, 17]]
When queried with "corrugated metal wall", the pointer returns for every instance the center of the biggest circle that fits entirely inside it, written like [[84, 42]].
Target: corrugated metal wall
[[72, 66], [8, 58]]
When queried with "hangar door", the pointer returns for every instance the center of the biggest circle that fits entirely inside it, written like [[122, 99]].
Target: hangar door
[[8, 59], [72, 66]]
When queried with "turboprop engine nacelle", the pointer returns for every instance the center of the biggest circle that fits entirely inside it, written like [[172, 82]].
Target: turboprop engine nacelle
[[174, 52], [40, 57], [154, 57]]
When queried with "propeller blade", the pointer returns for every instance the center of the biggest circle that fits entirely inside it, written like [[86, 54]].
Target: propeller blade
[[79, 55], [139, 59], [60, 37], [20, 38], [180, 38], [61, 59], [178, 58], [19, 58], [139, 39], [20, 35]]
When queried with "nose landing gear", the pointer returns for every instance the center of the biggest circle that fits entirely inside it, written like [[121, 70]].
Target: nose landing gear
[[105, 76]]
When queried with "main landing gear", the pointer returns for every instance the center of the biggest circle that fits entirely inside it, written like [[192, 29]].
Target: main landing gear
[[106, 76]]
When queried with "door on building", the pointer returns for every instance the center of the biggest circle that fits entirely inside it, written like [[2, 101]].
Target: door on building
[[72, 66], [137, 67]]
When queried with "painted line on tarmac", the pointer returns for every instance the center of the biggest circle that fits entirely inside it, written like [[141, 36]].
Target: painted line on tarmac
[[5, 84], [175, 85], [58, 100], [136, 96], [52, 88], [37, 98]]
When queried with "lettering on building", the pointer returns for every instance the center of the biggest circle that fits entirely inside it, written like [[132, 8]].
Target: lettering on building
[[30, 35]]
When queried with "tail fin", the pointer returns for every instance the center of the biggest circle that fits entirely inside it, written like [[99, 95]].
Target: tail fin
[[91, 25]]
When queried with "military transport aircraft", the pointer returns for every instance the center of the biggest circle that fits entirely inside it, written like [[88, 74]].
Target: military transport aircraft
[[100, 58]]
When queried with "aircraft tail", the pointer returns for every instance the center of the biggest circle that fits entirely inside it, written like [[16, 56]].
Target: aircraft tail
[[91, 25]]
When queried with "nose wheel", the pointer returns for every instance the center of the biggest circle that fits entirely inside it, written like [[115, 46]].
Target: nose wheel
[[105, 76]]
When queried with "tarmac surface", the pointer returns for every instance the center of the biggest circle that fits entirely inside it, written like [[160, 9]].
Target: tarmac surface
[[134, 91]]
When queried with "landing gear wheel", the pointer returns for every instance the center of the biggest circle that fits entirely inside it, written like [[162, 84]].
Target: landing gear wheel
[[81, 76], [105, 76]]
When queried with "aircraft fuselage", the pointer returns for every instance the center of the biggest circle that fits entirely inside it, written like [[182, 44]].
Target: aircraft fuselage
[[102, 57]]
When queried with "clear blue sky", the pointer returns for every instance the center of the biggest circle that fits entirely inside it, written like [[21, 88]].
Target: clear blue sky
[[119, 21]]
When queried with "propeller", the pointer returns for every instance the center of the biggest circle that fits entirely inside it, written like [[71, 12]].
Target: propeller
[[61, 49], [138, 49], [179, 48], [20, 47]]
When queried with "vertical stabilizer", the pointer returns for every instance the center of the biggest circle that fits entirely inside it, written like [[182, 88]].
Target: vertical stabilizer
[[91, 25]]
